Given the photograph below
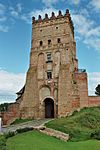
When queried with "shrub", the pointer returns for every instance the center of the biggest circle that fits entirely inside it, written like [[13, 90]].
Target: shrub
[[21, 130], [9, 134], [95, 134], [75, 112], [2, 143]]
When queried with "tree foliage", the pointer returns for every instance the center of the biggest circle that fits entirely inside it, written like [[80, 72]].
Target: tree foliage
[[97, 92], [4, 107]]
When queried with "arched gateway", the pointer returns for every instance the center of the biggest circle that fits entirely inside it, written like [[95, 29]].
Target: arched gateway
[[49, 108]]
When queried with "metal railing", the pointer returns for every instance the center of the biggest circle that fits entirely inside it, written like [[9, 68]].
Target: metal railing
[[81, 70]]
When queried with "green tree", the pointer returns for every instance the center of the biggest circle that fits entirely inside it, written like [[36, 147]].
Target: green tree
[[4, 107], [97, 92]]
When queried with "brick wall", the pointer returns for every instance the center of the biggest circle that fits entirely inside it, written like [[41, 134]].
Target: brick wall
[[93, 101], [12, 113], [83, 89]]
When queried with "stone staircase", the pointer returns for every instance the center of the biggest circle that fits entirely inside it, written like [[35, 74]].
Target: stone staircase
[[38, 125]]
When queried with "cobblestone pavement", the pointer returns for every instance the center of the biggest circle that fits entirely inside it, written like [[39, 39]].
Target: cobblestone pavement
[[34, 123]]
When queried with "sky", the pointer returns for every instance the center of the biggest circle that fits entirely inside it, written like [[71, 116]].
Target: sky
[[15, 39]]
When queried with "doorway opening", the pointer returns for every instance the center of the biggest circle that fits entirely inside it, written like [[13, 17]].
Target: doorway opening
[[49, 108]]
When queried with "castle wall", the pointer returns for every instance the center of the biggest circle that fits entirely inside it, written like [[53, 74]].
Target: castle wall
[[64, 91], [93, 101], [30, 104], [83, 88], [11, 114], [53, 72]]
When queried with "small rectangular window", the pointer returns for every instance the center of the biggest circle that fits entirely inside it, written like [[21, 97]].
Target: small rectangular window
[[48, 56], [49, 75], [49, 42], [41, 43], [59, 41]]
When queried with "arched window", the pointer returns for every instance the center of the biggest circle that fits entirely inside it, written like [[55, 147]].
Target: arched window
[[41, 43]]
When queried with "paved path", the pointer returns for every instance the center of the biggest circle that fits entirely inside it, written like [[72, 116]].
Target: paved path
[[34, 123]]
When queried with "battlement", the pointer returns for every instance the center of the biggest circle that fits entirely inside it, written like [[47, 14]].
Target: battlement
[[46, 19]]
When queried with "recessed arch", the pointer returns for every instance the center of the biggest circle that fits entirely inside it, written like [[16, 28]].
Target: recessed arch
[[57, 63], [40, 67], [44, 92]]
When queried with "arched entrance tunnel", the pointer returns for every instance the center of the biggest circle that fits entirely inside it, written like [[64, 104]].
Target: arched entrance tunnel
[[49, 108]]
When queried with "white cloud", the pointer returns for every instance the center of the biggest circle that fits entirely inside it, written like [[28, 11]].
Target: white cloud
[[93, 42], [94, 32], [74, 1], [10, 83], [49, 3], [95, 4], [3, 18], [43, 12], [27, 17], [19, 7], [84, 12], [82, 24], [86, 30], [4, 28], [15, 11], [93, 81], [2, 9]]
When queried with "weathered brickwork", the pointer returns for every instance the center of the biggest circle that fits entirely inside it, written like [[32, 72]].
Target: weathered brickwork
[[51, 74], [54, 84]]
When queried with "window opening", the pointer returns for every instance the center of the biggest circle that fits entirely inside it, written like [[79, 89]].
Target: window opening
[[59, 40], [49, 75], [48, 56], [49, 42], [41, 43]]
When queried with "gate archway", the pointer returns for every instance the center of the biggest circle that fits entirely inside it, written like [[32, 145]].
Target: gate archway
[[49, 108]]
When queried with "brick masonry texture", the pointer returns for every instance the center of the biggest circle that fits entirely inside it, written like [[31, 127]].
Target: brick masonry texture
[[54, 85]]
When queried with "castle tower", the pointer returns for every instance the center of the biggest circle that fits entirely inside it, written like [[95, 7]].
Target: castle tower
[[51, 88]]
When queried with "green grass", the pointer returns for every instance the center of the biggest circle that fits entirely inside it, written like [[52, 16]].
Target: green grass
[[17, 121], [80, 125], [35, 140], [2, 142]]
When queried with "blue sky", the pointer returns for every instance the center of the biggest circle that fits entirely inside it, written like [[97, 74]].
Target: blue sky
[[15, 39]]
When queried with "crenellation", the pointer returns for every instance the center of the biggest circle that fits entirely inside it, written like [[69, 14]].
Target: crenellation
[[33, 20], [60, 14], [53, 20], [39, 18], [46, 17], [53, 16], [54, 85]]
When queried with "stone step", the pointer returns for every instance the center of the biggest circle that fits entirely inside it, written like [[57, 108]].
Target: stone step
[[54, 133]]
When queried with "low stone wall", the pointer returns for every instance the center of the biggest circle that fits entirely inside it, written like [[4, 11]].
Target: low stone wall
[[93, 101], [53, 133]]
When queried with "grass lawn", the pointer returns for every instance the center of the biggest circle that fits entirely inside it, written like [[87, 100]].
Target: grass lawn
[[18, 121], [80, 125], [35, 140]]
